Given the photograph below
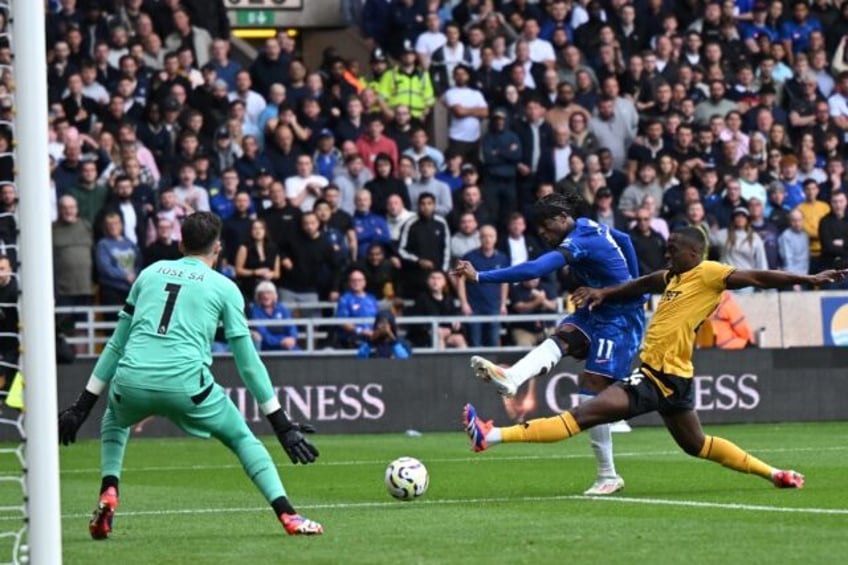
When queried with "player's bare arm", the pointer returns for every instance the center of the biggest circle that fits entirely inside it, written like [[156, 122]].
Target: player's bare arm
[[780, 279], [591, 297]]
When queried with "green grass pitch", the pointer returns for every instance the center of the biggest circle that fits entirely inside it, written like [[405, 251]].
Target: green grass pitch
[[187, 501]]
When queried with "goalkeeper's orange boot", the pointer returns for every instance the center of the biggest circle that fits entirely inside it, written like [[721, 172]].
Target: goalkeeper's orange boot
[[297, 525], [100, 525], [788, 479]]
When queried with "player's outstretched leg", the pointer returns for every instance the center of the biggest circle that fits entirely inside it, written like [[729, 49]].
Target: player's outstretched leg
[[538, 361], [482, 434], [685, 427], [226, 424]]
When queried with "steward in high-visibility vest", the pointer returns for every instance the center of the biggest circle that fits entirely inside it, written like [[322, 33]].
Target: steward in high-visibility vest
[[409, 85], [374, 80]]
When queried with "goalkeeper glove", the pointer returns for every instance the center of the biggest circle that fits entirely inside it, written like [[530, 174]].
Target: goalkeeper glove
[[290, 434], [70, 419]]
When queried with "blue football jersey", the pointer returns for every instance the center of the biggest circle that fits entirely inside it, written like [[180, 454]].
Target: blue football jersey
[[596, 258]]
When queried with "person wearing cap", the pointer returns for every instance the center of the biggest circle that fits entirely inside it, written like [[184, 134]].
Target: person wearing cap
[[373, 81], [758, 26], [408, 84], [327, 157], [225, 151], [738, 244], [501, 153]]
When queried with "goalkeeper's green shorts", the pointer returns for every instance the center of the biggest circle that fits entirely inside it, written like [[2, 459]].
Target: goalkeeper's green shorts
[[207, 413]]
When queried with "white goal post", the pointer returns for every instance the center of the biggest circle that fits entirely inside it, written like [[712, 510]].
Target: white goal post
[[36, 258]]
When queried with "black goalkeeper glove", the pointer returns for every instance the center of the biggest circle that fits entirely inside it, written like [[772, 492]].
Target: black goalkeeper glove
[[70, 419], [290, 434]]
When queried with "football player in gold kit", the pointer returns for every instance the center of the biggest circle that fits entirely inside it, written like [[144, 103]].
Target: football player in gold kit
[[690, 290]]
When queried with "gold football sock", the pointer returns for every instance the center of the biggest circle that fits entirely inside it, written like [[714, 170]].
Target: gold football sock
[[542, 430], [730, 455]]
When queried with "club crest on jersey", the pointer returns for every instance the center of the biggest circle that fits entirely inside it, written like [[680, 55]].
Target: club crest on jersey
[[670, 295]]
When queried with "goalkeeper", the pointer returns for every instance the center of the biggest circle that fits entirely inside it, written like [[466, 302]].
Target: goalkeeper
[[158, 363]]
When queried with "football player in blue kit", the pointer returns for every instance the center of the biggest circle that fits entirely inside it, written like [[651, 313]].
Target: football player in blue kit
[[607, 339]]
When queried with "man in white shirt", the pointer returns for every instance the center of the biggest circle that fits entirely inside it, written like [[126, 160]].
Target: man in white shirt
[[253, 101], [467, 107], [429, 40], [303, 189], [396, 215], [541, 51], [192, 197], [838, 104]]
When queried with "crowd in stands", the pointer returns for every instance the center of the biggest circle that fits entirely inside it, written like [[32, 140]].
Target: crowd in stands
[[729, 116]]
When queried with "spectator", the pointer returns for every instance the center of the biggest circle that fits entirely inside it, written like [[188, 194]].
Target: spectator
[[223, 203], [738, 245], [833, 234], [385, 184], [192, 197], [353, 177], [603, 211], [716, 104], [794, 246], [269, 68], [446, 57], [236, 230], [648, 243], [635, 194], [339, 219], [266, 308], [165, 247], [468, 108], [73, 241], [281, 218], [409, 85], [470, 200], [383, 342], [767, 231], [257, 259], [812, 211], [381, 272], [424, 246], [529, 297], [118, 261], [195, 38], [88, 192], [467, 238], [480, 299], [372, 143], [612, 130], [133, 215], [396, 216], [356, 302], [427, 184], [791, 182], [305, 187], [501, 150], [724, 209], [749, 181], [310, 269], [370, 228], [436, 301], [535, 137], [419, 149]]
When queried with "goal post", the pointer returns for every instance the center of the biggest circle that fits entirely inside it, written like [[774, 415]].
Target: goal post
[[37, 307]]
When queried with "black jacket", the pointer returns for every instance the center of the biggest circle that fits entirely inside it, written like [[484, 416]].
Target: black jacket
[[316, 265], [650, 250], [832, 228]]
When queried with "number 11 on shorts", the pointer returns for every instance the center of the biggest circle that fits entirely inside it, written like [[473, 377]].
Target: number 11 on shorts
[[605, 348]]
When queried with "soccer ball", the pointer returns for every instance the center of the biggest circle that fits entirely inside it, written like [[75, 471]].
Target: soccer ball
[[407, 478]]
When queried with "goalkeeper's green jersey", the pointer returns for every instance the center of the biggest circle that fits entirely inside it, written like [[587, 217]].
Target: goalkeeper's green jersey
[[175, 308]]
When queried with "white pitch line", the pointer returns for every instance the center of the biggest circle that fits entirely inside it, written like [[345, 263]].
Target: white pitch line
[[360, 462], [493, 500]]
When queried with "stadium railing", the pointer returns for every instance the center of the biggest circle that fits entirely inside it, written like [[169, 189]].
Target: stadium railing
[[92, 332]]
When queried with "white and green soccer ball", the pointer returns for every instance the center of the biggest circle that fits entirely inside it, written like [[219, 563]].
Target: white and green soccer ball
[[407, 478]]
